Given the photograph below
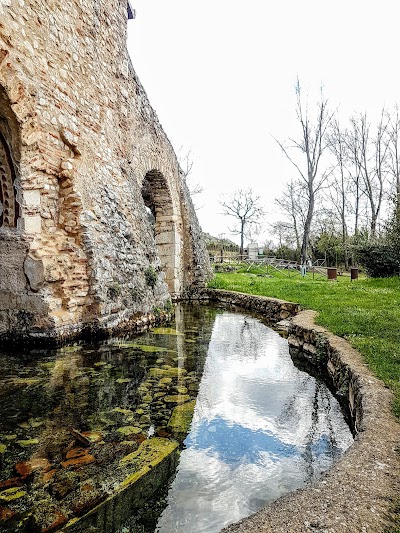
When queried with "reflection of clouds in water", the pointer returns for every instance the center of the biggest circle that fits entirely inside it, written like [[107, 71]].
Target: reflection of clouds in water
[[261, 428], [208, 494], [259, 388]]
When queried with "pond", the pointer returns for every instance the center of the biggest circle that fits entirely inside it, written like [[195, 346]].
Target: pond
[[80, 425]]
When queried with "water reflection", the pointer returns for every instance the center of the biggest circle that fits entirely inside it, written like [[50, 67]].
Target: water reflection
[[261, 428], [71, 417]]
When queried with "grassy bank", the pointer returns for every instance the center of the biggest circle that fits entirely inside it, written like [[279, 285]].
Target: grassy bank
[[366, 312]]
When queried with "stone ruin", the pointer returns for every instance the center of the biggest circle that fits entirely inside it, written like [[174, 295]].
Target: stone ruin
[[83, 160]]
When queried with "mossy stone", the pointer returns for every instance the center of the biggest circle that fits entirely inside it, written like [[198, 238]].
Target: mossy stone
[[9, 495], [166, 331], [177, 398], [149, 453], [181, 390], [28, 442], [167, 373], [181, 419], [142, 347], [147, 399], [125, 412], [9, 437], [129, 430]]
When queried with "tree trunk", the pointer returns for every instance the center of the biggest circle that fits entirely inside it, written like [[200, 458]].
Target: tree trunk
[[242, 223], [307, 226]]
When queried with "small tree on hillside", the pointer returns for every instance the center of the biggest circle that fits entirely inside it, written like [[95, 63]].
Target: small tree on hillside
[[246, 208]]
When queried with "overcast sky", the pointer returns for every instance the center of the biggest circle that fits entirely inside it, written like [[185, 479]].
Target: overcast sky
[[221, 74]]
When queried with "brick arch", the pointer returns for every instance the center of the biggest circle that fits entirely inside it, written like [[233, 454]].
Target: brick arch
[[157, 197], [9, 155], [9, 208]]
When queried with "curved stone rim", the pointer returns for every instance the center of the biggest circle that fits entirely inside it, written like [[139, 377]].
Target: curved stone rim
[[359, 492]]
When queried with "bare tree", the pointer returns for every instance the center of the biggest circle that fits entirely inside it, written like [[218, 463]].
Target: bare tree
[[311, 144], [294, 205], [338, 192], [245, 207], [284, 232], [394, 152], [353, 150], [186, 166], [372, 158]]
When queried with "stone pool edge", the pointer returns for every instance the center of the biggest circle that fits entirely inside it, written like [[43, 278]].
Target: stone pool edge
[[359, 492]]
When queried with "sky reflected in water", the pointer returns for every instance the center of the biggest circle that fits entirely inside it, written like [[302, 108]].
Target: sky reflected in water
[[261, 428]]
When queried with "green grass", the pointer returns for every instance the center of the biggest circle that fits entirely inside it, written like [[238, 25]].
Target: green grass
[[366, 312]]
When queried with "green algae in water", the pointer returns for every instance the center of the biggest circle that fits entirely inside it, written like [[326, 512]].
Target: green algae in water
[[129, 430], [25, 381], [150, 451], [9, 437], [167, 372], [166, 331], [28, 442], [149, 348], [177, 398], [181, 390], [85, 395], [181, 419], [126, 412], [48, 365], [12, 494]]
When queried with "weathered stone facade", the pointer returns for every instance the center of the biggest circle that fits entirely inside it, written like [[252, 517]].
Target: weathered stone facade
[[83, 159]]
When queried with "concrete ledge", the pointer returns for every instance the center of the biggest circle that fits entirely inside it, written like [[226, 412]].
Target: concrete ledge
[[359, 493]]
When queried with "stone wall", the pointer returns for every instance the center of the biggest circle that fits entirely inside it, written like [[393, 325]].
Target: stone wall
[[88, 159], [272, 310]]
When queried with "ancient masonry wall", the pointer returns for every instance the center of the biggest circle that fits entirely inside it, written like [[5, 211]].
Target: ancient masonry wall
[[84, 154]]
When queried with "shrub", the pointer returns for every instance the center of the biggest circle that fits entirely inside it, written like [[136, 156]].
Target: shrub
[[380, 259], [114, 290], [150, 275]]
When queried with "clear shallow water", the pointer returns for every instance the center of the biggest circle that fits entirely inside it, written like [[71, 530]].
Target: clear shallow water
[[261, 428]]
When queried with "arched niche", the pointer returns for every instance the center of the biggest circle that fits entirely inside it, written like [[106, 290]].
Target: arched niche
[[9, 207], [158, 201]]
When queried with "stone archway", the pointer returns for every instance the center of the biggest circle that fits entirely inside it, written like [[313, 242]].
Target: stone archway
[[9, 208], [158, 200], [9, 156]]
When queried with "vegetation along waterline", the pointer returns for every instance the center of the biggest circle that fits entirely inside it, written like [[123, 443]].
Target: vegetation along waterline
[[365, 312]]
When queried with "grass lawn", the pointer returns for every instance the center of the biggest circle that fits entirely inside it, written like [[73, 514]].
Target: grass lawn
[[366, 312]]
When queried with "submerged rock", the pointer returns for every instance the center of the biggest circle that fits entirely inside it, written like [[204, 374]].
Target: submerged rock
[[9, 495], [166, 331], [179, 423], [27, 442], [129, 430], [177, 398], [167, 372]]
